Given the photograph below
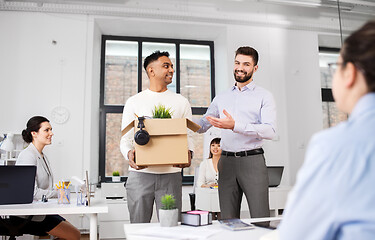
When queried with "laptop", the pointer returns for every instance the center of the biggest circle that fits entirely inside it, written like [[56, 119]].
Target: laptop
[[274, 175], [17, 184]]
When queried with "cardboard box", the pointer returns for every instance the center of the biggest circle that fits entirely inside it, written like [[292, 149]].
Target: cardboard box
[[168, 141]]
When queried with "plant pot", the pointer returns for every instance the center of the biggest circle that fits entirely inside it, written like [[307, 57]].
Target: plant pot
[[116, 178], [168, 218]]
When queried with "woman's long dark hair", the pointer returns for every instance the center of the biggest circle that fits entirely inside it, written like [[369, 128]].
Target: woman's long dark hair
[[359, 49]]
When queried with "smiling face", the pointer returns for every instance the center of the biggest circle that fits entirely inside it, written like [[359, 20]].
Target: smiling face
[[244, 68], [215, 149], [44, 135], [161, 71]]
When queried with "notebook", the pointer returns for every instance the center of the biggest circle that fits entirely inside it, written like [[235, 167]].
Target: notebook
[[17, 184], [274, 175]]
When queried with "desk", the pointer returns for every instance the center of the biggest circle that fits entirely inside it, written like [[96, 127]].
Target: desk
[[51, 207], [208, 199], [153, 231]]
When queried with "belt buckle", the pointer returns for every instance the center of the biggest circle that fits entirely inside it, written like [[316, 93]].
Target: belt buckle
[[235, 155]]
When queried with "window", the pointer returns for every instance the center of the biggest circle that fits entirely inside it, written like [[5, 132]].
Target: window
[[331, 115], [122, 75]]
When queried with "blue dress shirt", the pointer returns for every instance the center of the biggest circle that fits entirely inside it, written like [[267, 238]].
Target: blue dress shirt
[[334, 197], [254, 112]]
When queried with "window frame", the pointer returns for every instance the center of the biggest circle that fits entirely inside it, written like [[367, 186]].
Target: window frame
[[105, 109], [327, 95]]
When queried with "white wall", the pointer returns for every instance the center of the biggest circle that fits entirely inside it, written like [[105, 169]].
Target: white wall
[[37, 76], [31, 69]]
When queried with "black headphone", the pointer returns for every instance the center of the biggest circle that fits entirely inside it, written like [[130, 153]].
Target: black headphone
[[141, 137]]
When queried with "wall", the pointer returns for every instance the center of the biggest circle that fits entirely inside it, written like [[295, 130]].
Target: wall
[[36, 76]]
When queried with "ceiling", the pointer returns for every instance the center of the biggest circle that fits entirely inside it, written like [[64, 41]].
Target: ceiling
[[357, 6], [321, 15]]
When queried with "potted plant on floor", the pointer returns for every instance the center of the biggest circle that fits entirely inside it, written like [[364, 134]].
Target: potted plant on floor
[[168, 213], [116, 176]]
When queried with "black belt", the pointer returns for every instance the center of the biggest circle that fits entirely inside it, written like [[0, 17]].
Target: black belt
[[243, 153]]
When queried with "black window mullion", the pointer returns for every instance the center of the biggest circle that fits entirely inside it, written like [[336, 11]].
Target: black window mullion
[[139, 66], [178, 82], [199, 110], [212, 64]]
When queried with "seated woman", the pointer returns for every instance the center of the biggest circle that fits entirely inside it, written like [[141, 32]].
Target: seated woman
[[208, 173], [39, 134]]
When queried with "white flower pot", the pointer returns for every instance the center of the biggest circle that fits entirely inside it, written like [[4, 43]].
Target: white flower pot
[[116, 178], [168, 218]]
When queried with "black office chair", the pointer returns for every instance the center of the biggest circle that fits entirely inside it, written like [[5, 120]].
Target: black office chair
[[7, 228]]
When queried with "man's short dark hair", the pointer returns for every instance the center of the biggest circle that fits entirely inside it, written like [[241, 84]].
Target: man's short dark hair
[[154, 57], [249, 51]]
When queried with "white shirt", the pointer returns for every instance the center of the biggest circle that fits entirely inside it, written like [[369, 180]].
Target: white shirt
[[142, 104], [207, 173]]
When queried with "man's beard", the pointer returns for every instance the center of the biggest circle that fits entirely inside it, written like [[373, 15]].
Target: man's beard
[[245, 78]]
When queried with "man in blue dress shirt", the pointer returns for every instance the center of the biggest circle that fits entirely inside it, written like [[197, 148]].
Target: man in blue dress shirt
[[334, 196], [246, 113]]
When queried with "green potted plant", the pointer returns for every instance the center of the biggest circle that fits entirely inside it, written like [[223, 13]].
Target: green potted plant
[[168, 213], [161, 111], [116, 176]]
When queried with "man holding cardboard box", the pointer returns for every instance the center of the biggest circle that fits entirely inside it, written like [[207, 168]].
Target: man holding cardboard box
[[246, 113], [155, 168]]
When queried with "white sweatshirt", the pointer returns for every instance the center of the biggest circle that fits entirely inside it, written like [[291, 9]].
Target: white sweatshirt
[[142, 104]]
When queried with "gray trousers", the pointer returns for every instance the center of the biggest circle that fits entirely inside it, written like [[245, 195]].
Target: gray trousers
[[143, 189], [238, 175]]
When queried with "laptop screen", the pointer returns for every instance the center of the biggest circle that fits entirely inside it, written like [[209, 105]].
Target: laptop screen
[[17, 184]]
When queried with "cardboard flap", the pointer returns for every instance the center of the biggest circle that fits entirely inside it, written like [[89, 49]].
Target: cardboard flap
[[192, 125], [173, 126], [127, 128]]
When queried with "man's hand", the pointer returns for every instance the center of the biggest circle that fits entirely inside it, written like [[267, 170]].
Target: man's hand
[[185, 165], [131, 156], [224, 123]]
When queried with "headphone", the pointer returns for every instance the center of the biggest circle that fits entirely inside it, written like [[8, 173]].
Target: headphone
[[141, 137]]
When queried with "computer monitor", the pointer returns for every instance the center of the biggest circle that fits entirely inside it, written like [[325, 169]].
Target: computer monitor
[[17, 184], [274, 175]]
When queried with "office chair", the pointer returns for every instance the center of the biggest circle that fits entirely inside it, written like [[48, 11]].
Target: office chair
[[7, 228]]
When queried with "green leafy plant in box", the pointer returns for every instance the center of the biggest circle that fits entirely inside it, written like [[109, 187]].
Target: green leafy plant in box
[[161, 111], [116, 173]]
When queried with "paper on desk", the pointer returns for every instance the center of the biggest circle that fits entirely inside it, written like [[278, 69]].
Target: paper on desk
[[180, 233]]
